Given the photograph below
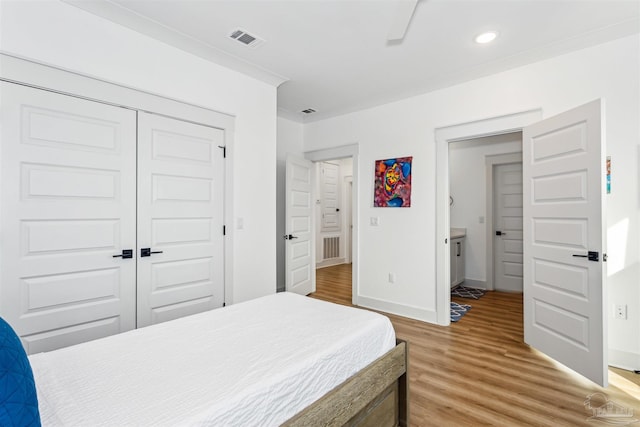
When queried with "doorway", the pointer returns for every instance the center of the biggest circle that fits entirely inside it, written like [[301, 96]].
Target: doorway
[[563, 154], [319, 218], [347, 153], [333, 227], [333, 212], [444, 137], [472, 165]]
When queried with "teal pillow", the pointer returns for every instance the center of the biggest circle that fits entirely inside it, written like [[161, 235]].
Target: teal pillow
[[18, 398]]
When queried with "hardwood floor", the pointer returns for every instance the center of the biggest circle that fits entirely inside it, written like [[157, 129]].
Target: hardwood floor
[[478, 371]]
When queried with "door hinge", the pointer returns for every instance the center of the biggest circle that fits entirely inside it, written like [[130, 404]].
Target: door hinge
[[224, 304], [224, 151], [224, 230]]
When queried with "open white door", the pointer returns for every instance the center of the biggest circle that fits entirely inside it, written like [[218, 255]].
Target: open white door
[[300, 258], [564, 239]]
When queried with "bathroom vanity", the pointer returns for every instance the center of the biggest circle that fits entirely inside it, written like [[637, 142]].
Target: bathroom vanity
[[457, 236]]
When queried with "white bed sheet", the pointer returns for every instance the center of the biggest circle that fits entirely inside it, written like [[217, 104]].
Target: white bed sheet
[[256, 363]]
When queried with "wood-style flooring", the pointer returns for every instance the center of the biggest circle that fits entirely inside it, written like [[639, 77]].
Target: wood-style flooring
[[478, 371]]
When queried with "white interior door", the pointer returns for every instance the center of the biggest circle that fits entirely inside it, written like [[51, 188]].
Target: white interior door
[[508, 227], [300, 257], [68, 207], [180, 218], [329, 187], [564, 239]]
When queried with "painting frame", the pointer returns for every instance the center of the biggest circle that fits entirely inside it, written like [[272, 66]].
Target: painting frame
[[392, 182]]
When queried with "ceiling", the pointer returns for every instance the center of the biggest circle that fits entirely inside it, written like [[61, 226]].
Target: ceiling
[[333, 55]]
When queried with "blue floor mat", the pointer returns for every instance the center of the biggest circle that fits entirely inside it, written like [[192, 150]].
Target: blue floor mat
[[463, 292], [458, 310]]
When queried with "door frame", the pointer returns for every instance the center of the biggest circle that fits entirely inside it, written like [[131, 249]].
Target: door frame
[[341, 152], [42, 76], [491, 162], [499, 125], [347, 189]]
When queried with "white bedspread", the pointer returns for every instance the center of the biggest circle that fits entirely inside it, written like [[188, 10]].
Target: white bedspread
[[251, 364]]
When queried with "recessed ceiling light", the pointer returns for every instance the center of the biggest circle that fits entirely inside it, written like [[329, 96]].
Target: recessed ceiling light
[[487, 37]]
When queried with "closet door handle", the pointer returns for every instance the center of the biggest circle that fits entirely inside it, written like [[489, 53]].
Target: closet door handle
[[126, 253], [144, 252]]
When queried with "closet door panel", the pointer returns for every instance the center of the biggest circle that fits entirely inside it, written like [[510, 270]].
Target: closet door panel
[[180, 215], [68, 205]]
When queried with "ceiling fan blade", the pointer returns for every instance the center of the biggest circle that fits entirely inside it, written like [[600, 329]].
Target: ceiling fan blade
[[400, 23]]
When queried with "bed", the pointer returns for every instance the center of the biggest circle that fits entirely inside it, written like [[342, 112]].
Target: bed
[[283, 359]]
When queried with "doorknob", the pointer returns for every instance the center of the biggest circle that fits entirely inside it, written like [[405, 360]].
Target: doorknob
[[126, 253], [290, 237], [592, 255], [500, 233], [147, 252]]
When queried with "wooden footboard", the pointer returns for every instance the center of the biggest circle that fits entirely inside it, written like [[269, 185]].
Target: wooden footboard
[[377, 396]]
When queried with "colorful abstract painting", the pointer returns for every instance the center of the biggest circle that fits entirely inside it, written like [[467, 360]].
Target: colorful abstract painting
[[393, 183]]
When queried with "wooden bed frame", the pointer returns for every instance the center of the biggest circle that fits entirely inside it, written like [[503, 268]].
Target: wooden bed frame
[[377, 396]]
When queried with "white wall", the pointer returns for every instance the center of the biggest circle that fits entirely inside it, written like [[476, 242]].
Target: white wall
[[289, 142], [404, 242], [468, 187], [64, 36], [346, 168]]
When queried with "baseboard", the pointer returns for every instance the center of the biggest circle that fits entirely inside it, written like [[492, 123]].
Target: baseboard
[[624, 359], [330, 262], [476, 284], [409, 311]]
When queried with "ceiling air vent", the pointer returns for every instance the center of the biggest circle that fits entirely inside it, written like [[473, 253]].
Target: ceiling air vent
[[309, 111], [245, 38]]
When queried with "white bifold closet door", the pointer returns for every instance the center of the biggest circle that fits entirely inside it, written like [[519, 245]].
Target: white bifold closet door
[[68, 206], [180, 218], [111, 219]]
